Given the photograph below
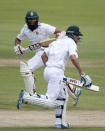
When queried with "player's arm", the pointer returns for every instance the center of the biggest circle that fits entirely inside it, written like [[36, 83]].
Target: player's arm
[[17, 41], [18, 49], [57, 32], [44, 58], [76, 64], [84, 78]]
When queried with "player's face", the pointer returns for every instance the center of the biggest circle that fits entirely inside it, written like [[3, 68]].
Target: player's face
[[76, 38], [32, 21]]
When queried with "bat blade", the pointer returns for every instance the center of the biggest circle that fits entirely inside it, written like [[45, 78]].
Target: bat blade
[[47, 42], [93, 87], [41, 44], [79, 84]]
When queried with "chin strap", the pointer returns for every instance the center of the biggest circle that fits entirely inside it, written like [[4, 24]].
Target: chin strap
[[71, 36]]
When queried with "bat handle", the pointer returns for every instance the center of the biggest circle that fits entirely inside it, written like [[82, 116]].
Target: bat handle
[[26, 50]]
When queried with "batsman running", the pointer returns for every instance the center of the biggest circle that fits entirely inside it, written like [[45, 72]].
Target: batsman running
[[55, 58], [36, 32]]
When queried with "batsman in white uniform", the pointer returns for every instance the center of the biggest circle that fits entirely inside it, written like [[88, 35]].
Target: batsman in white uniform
[[55, 58], [36, 32]]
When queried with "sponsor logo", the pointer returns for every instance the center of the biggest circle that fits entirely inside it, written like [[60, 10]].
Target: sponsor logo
[[73, 81]]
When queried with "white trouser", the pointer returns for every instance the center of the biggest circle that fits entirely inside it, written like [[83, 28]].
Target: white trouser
[[56, 87], [56, 95], [57, 91], [36, 61]]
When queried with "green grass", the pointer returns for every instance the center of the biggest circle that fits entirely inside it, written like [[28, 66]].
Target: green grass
[[11, 83], [88, 14]]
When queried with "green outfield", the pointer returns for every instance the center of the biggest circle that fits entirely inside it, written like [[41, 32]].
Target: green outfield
[[89, 15]]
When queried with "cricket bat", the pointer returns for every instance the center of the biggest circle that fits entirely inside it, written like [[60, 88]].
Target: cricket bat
[[40, 44], [79, 84], [47, 42]]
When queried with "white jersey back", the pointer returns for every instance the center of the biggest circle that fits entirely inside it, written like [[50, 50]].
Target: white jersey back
[[38, 35], [59, 51]]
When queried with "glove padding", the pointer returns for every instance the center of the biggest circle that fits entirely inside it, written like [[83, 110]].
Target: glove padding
[[19, 50], [35, 46], [86, 80]]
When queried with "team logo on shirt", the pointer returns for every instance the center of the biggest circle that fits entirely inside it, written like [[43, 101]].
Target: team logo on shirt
[[37, 33]]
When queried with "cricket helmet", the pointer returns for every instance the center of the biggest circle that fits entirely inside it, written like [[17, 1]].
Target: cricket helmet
[[31, 14], [74, 30]]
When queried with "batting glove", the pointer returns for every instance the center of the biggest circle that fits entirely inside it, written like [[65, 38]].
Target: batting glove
[[19, 50], [86, 80]]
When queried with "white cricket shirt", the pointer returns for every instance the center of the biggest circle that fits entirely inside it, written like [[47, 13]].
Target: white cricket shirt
[[38, 35], [59, 51]]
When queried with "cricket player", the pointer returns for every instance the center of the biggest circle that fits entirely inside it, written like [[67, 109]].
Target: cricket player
[[55, 57], [36, 32]]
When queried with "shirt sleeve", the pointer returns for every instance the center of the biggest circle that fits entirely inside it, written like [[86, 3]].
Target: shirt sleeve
[[21, 35], [50, 29], [73, 49]]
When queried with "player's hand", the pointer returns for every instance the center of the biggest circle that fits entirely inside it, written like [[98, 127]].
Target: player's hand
[[86, 80], [19, 50], [61, 34]]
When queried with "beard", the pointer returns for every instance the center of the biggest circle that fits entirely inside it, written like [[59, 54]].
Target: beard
[[33, 27]]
